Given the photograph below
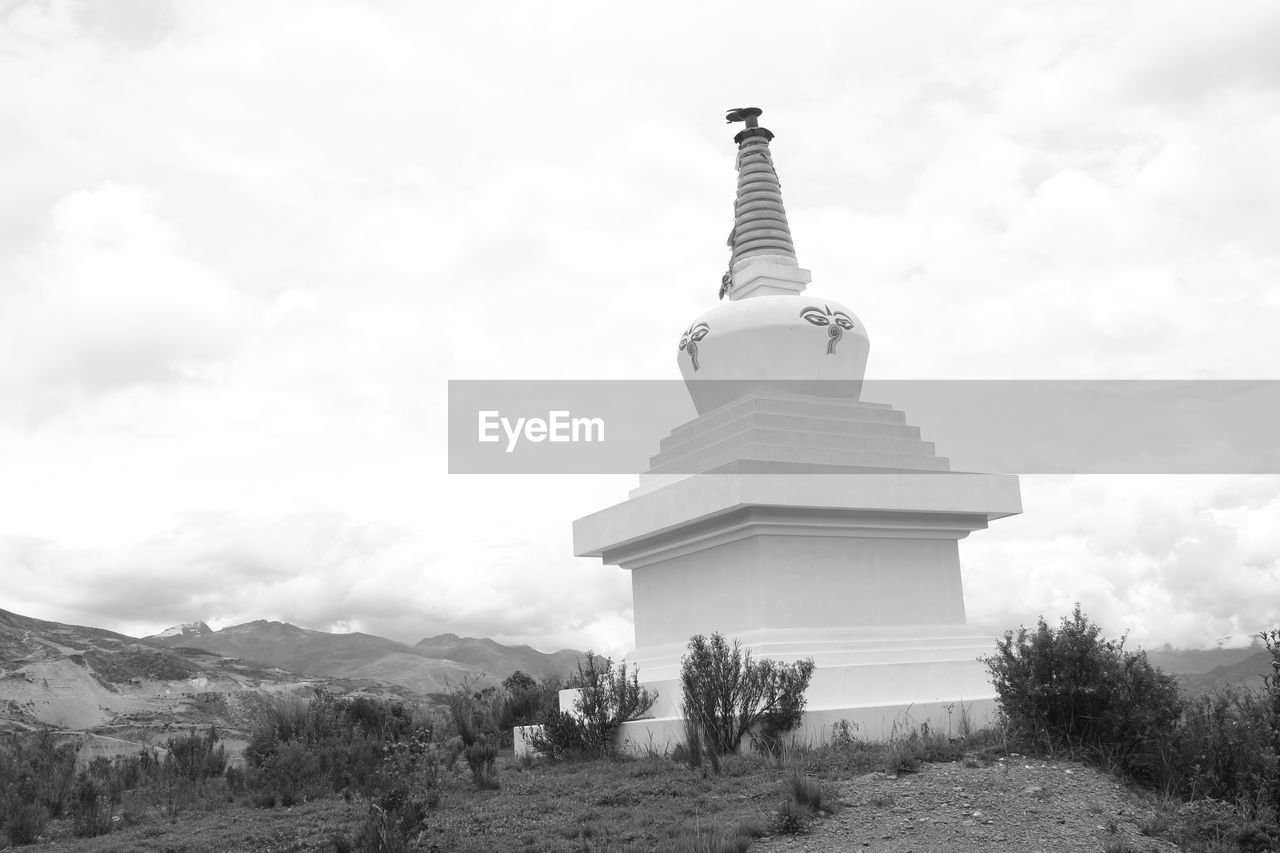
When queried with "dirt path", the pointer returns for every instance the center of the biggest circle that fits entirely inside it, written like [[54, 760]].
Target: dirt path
[[1019, 806]]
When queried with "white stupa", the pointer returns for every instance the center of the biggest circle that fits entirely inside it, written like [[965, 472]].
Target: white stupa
[[790, 514]]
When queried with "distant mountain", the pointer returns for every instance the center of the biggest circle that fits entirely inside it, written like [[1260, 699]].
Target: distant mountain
[[497, 659], [1246, 673], [188, 629], [432, 666], [79, 677], [1194, 661]]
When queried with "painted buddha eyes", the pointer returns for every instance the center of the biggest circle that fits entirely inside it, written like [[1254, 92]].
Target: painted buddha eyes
[[825, 316], [689, 341], [695, 333], [836, 321]]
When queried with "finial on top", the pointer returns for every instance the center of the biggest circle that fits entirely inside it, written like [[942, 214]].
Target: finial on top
[[747, 114]]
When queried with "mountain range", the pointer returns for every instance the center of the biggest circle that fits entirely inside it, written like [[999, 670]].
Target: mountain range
[[128, 690], [432, 665]]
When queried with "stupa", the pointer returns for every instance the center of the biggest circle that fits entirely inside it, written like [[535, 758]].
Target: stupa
[[792, 515]]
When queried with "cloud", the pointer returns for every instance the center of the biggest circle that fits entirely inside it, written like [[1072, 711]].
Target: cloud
[[319, 570], [240, 261], [1180, 560], [109, 302]]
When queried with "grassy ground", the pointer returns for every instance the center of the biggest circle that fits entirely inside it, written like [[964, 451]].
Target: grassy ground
[[620, 805], [213, 828], [644, 804]]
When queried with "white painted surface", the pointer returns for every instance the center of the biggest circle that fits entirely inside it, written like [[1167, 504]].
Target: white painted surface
[[522, 739], [765, 342], [875, 723]]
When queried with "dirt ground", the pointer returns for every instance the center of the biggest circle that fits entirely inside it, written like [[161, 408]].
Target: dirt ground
[[1017, 805]]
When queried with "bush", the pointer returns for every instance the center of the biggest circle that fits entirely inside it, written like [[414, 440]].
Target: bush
[[806, 791], [709, 838], [91, 807], [37, 774], [1072, 690], [407, 787], [469, 711], [1270, 792], [291, 774], [196, 756], [521, 701], [300, 750], [1219, 749], [607, 698], [481, 757], [727, 693], [25, 822], [35, 770]]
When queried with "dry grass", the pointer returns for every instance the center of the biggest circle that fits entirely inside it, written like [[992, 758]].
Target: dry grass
[[615, 806]]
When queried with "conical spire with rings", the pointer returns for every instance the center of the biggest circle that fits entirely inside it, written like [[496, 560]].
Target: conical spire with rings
[[759, 219]]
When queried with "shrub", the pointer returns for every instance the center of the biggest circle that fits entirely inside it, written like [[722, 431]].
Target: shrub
[[299, 750], [477, 728], [1070, 689], [727, 692], [521, 701], [1219, 748], [469, 710], [690, 752], [1271, 684], [196, 756], [35, 769], [381, 833], [791, 816], [607, 698], [25, 822], [291, 774], [481, 757], [407, 788], [710, 838], [806, 791], [37, 774], [91, 808]]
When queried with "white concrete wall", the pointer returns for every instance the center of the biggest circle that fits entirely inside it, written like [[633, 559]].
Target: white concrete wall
[[814, 582], [880, 723]]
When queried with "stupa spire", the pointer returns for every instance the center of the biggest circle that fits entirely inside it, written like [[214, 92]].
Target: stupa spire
[[759, 218], [760, 229]]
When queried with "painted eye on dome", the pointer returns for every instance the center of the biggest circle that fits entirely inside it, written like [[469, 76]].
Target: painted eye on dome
[[699, 332], [684, 342], [842, 319], [815, 316]]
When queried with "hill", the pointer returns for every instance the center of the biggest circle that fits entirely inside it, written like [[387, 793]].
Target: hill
[[123, 692], [495, 658], [431, 666], [126, 691], [1245, 673], [320, 653], [1197, 661]]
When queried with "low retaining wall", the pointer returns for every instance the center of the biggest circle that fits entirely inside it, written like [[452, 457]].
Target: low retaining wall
[[660, 735]]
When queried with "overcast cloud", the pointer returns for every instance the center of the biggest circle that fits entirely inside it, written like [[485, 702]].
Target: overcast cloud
[[243, 246]]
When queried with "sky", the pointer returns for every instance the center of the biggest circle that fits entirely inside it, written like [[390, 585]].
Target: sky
[[245, 245]]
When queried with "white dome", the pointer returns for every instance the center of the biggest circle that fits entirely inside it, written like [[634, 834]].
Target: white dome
[[798, 343]]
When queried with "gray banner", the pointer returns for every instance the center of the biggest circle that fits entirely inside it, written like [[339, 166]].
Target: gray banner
[[1005, 426]]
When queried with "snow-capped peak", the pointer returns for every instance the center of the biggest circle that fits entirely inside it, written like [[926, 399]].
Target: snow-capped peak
[[186, 629]]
